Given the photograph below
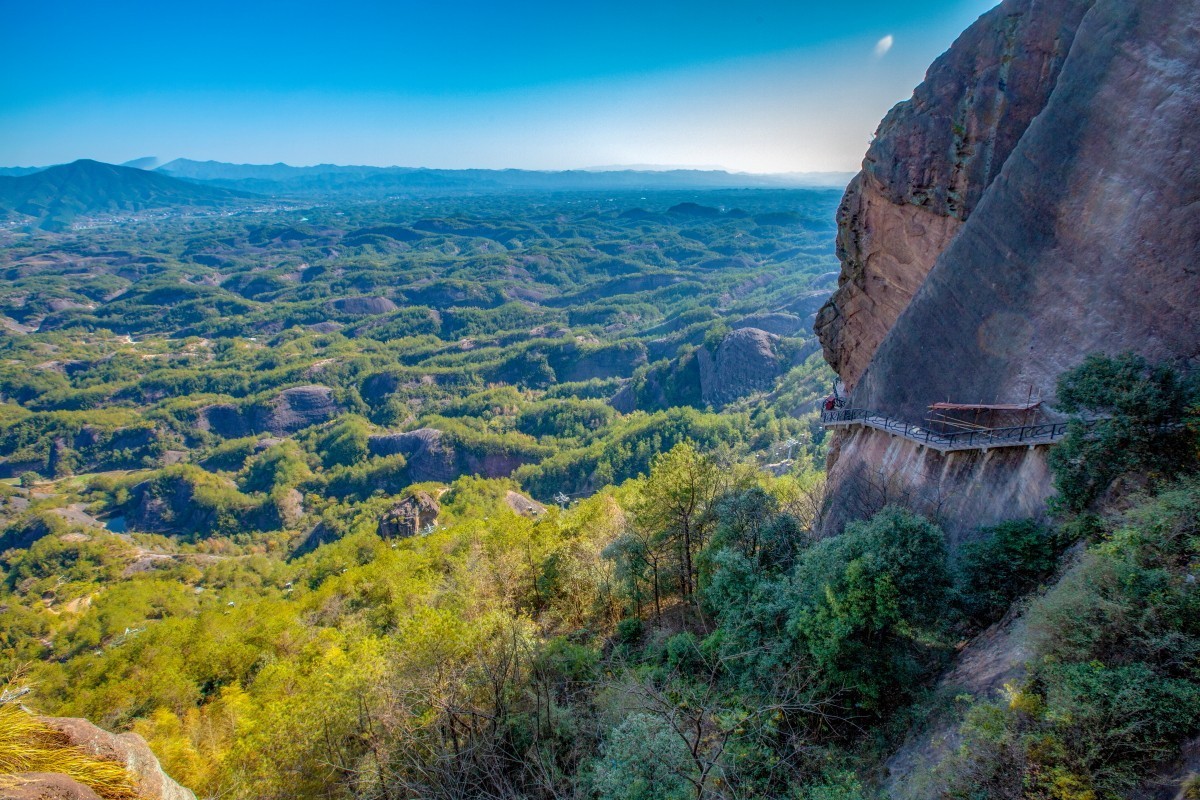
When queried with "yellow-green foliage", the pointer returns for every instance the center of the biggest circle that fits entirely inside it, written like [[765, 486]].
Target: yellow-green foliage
[[29, 745]]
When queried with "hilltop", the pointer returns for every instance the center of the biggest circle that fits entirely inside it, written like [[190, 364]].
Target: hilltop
[[52, 198]]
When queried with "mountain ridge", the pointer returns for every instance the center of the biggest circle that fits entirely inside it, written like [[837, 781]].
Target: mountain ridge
[[53, 198], [364, 180]]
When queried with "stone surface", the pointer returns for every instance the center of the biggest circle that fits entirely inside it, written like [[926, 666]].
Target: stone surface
[[43, 786], [125, 748], [745, 362], [1089, 240], [429, 459], [523, 505], [779, 323], [930, 163], [297, 408], [1085, 238], [962, 489], [431, 456], [291, 410], [410, 516], [363, 306]]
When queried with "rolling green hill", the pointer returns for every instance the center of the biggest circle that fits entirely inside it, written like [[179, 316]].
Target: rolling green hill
[[53, 198]]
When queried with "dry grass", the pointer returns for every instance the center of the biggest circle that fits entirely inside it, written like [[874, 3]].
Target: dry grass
[[29, 745]]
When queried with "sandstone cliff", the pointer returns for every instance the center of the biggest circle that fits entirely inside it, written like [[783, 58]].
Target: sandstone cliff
[[931, 161], [1037, 200]]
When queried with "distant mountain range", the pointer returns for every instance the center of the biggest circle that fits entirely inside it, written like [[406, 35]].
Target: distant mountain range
[[282, 179], [370, 182], [52, 198]]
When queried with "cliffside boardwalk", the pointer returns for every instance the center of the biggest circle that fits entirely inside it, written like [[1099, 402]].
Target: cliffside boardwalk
[[978, 439]]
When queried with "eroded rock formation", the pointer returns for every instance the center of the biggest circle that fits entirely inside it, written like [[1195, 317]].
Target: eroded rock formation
[[291, 410], [433, 456], [931, 161], [410, 516], [746, 361], [428, 457], [1037, 200]]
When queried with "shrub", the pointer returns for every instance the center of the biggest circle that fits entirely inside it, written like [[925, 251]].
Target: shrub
[[629, 631], [643, 759], [1113, 687], [1137, 413], [1006, 562], [866, 601]]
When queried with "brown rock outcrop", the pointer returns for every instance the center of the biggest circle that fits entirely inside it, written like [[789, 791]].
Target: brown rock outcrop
[[428, 457], [128, 749], [433, 456], [931, 161], [745, 362], [363, 306], [1089, 239], [43, 786], [523, 505], [291, 410], [297, 408], [410, 516]]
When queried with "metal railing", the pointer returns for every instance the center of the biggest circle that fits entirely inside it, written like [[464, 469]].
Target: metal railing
[[982, 438]]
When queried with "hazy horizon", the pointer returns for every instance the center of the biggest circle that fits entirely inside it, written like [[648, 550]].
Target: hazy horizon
[[779, 88]]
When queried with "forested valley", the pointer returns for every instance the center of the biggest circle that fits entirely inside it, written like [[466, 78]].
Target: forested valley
[[519, 497]]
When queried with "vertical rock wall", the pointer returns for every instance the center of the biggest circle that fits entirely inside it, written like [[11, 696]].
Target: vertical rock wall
[[931, 161], [962, 490], [1037, 200]]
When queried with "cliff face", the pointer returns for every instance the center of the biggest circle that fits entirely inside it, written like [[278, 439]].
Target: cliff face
[[1036, 201], [930, 163], [1089, 238]]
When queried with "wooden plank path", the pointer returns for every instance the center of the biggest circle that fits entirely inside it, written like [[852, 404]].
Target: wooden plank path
[[981, 439]]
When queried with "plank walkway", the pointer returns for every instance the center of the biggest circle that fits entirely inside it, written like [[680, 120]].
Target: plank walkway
[[982, 439]]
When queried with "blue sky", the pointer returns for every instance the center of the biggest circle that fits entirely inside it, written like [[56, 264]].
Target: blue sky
[[754, 86]]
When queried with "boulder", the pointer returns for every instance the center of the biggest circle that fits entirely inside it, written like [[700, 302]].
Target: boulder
[[43, 786], [128, 749]]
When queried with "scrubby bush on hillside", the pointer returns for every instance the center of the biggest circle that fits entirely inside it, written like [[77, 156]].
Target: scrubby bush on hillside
[[871, 605], [1114, 685], [1130, 417], [1005, 562]]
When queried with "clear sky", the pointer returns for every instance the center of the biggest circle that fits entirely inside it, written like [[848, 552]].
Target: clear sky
[[770, 86]]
